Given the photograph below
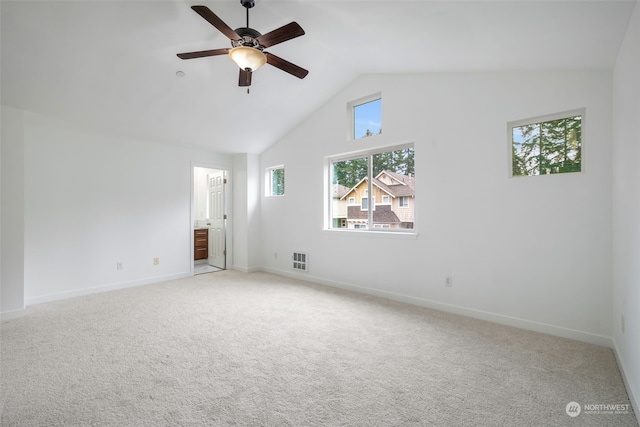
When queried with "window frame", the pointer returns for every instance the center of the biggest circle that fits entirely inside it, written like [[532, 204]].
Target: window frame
[[370, 229], [269, 181], [544, 119]]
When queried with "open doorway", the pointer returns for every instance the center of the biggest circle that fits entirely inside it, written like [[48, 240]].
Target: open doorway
[[210, 217]]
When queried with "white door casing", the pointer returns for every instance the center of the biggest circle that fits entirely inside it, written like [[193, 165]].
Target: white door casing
[[217, 235]]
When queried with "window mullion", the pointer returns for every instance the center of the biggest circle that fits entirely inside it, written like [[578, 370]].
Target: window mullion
[[370, 191]]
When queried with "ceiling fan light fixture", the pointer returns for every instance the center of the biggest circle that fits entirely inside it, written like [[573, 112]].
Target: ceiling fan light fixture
[[247, 45], [248, 58]]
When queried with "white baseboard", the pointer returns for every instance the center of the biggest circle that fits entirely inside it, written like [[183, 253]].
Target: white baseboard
[[246, 269], [455, 309], [104, 288], [631, 390]]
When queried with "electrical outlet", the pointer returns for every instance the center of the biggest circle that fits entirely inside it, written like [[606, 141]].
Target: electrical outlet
[[119, 265], [448, 281], [622, 323], [156, 261]]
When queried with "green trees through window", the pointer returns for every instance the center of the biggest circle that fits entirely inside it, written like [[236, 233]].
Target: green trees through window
[[276, 178], [547, 147], [350, 172]]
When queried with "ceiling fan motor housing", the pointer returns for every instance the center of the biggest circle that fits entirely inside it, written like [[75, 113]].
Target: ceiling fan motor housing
[[249, 36]]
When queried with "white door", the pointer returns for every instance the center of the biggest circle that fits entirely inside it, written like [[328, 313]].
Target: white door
[[217, 237]]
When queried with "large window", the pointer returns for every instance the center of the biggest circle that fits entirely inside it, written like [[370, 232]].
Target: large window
[[547, 145], [359, 181]]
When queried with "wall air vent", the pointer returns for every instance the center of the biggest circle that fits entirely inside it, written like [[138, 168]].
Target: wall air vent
[[300, 261]]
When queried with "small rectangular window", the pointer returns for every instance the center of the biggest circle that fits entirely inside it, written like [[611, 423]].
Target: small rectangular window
[[547, 145], [364, 203], [365, 116], [275, 181]]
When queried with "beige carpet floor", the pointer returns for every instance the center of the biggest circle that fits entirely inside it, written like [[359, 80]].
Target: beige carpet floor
[[234, 349]]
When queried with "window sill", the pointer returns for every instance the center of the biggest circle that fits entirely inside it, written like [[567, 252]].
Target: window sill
[[408, 235]]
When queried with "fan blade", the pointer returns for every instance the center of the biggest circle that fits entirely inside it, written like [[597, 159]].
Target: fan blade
[[245, 78], [211, 17], [203, 53], [286, 66], [282, 34]]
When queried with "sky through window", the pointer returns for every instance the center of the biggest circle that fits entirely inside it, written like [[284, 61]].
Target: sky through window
[[367, 119]]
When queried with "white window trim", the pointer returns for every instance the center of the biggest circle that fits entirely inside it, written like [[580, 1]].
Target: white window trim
[[371, 202], [546, 118]]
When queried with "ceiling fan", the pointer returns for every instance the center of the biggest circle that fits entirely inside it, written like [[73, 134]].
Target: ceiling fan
[[247, 45]]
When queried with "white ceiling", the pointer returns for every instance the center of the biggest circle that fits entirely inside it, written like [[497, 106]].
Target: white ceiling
[[110, 66]]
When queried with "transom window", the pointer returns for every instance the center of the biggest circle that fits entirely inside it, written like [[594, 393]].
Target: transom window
[[547, 145], [365, 116]]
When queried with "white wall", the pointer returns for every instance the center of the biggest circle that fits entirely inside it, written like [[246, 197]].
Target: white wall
[[626, 207], [92, 201], [246, 231], [12, 217], [533, 252]]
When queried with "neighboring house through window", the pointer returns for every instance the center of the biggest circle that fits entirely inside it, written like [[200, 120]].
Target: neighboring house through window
[[391, 179]]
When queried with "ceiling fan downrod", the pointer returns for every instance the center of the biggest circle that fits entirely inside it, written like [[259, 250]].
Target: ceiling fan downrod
[[248, 4]]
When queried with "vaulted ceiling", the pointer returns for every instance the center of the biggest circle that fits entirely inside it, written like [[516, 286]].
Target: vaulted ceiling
[[110, 66]]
